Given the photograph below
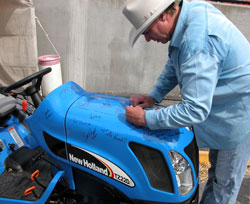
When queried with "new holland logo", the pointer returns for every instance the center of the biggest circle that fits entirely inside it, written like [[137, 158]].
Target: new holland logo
[[86, 163], [99, 164]]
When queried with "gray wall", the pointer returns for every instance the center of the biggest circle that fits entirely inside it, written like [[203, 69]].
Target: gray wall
[[92, 39]]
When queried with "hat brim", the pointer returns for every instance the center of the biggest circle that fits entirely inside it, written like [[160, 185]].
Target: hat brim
[[135, 33]]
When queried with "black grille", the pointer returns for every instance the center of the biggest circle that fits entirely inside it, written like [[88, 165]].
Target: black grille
[[56, 146], [154, 165]]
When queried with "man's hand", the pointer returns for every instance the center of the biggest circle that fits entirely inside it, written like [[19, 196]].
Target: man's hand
[[142, 101], [136, 115]]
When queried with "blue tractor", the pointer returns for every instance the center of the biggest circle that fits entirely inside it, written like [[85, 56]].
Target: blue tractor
[[77, 147]]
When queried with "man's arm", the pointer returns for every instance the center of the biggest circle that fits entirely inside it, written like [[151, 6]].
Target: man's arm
[[166, 82], [199, 76]]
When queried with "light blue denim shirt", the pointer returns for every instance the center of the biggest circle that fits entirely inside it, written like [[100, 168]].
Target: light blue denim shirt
[[210, 60]]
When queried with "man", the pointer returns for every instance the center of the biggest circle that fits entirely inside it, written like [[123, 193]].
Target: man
[[209, 59]]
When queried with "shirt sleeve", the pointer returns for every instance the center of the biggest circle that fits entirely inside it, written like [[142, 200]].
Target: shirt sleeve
[[198, 78], [165, 83]]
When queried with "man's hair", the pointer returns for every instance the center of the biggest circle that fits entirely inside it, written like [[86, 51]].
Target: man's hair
[[172, 8]]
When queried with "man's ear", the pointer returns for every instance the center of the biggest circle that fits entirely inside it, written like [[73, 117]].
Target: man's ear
[[163, 16]]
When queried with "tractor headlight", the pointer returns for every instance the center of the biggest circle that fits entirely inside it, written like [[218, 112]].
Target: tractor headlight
[[183, 172]]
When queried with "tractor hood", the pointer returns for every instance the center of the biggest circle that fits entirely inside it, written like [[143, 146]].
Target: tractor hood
[[49, 117], [90, 132]]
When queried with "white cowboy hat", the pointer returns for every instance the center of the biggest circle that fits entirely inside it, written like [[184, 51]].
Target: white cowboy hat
[[142, 13]]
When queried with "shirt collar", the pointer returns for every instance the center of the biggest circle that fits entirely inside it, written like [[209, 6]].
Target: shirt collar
[[180, 26]]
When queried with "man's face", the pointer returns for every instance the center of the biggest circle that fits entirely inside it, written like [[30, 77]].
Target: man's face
[[161, 30]]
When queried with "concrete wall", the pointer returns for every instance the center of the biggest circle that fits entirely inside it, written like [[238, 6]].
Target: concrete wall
[[92, 39]]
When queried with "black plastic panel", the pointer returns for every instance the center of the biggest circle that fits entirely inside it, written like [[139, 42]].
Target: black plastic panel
[[56, 146], [154, 165], [193, 153]]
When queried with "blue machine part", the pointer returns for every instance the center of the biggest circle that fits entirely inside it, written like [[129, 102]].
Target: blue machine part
[[49, 119], [100, 141], [15, 134], [89, 132]]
